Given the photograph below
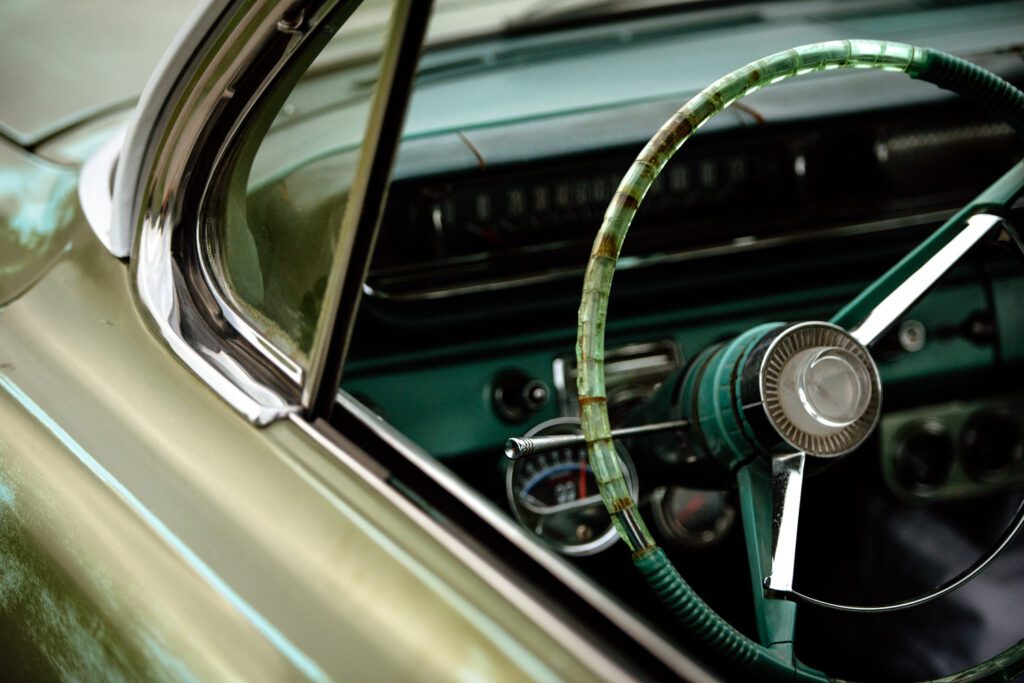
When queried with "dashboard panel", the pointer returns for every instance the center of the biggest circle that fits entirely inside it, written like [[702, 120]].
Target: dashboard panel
[[501, 227]]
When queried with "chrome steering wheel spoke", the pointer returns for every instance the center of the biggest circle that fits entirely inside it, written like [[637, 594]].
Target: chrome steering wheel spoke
[[884, 302], [770, 504], [903, 296], [787, 485]]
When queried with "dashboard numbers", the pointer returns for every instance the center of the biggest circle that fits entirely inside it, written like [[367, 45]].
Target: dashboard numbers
[[555, 496]]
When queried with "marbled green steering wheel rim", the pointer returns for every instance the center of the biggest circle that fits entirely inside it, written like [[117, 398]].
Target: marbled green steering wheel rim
[[696, 617]]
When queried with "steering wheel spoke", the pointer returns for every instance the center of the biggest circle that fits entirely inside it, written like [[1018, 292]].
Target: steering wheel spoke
[[954, 244], [787, 485], [884, 302], [770, 505]]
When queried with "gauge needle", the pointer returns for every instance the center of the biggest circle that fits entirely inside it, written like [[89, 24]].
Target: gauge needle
[[691, 507]]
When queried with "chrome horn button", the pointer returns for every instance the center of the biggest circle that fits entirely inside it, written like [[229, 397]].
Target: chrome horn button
[[829, 385], [820, 389]]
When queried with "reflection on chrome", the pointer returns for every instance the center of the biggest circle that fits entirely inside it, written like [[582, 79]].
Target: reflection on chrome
[[168, 149], [520, 446], [787, 484], [900, 300], [95, 185]]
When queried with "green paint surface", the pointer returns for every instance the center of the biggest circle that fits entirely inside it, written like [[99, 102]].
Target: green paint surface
[[38, 204], [48, 631]]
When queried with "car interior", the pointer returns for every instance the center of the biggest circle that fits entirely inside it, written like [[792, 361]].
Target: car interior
[[781, 209]]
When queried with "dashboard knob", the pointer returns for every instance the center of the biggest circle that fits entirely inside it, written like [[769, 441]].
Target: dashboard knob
[[924, 456], [516, 396], [992, 445]]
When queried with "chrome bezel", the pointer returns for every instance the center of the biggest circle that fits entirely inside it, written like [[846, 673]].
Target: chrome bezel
[[788, 343], [684, 537], [610, 535]]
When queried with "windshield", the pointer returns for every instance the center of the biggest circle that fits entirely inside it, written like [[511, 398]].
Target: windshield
[[462, 21]]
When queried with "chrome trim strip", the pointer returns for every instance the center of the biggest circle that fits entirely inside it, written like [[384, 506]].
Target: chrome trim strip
[[566, 573], [636, 262], [143, 130], [653, 360], [96, 189], [160, 287], [229, 311]]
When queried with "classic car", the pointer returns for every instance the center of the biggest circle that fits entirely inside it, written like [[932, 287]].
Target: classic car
[[306, 373]]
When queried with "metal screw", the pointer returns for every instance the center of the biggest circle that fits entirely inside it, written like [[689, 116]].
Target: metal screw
[[912, 335]]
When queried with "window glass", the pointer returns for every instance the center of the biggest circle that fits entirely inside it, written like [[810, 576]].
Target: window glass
[[282, 222]]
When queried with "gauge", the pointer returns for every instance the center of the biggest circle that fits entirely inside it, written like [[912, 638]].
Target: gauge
[[554, 495], [691, 517]]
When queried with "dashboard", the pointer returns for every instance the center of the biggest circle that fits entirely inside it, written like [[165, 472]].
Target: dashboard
[[781, 209], [502, 227]]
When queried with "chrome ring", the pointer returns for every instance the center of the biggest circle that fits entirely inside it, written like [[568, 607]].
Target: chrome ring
[[832, 442]]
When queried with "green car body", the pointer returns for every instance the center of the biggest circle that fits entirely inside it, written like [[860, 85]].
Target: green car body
[[128, 554], [176, 502]]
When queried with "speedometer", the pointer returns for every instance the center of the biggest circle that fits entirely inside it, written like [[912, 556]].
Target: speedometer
[[555, 496]]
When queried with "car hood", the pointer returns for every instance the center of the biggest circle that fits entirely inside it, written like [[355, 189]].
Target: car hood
[[61, 62]]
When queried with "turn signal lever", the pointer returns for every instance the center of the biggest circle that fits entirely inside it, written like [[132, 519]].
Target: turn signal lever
[[520, 446]]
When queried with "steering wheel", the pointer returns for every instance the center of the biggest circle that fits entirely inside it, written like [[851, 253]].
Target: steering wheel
[[766, 402]]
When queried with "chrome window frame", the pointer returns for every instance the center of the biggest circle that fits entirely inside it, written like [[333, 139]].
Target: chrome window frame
[[231, 58]]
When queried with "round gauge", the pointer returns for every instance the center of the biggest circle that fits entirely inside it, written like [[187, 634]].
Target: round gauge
[[554, 495], [691, 517]]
